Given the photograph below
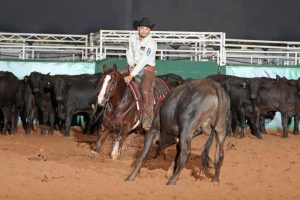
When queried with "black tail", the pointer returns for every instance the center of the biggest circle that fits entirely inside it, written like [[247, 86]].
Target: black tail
[[205, 159]]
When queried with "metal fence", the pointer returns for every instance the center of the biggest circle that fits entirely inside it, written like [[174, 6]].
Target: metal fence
[[172, 45]]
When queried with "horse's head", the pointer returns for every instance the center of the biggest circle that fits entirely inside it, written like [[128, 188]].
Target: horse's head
[[108, 84]]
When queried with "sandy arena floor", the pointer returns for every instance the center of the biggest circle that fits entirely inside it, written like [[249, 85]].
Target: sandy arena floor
[[55, 167]]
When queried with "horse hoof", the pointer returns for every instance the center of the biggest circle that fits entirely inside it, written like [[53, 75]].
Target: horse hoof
[[93, 154], [216, 183], [115, 156]]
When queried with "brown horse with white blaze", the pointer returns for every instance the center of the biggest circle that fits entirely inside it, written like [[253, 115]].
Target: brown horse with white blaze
[[122, 108]]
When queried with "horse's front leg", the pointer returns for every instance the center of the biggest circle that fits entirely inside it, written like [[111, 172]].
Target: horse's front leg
[[104, 131], [121, 135]]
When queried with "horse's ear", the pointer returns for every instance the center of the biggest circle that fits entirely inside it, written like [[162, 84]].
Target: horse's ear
[[115, 68], [104, 66]]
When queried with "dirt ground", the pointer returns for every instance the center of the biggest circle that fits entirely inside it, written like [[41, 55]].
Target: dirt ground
[[55, 167]]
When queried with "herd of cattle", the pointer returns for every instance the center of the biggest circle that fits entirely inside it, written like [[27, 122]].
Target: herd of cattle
[[217, 105], [50, 100], [53, 99]]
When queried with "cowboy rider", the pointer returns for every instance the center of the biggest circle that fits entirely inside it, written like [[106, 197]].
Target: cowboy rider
[[141, 61]]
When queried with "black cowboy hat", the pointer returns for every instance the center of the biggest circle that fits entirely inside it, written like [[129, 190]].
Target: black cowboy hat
[[143, 22]]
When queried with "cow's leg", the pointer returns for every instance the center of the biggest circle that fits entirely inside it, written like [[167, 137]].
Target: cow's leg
[[242, 122], [262, 124], [45, 122], [183, 152], [235, 123], [140, 161], [52, 120], [284, 118], [29, 121], [296, 125], [68, 122], [257, 123], [219, 154], [6, 110], [14, 120], [23, 118], [229, 125]]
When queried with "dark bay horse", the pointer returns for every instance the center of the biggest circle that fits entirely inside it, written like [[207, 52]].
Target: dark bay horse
[[121, 109]]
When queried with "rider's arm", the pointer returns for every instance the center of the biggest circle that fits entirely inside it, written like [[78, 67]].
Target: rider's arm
[[147, 58], [129, 53]]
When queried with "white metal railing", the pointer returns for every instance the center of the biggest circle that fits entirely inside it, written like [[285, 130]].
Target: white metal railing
[[167, 54], [43, 46], [25, 51], [260, 52], [264, 57], [43, 38], [172, 45], [195, 44]]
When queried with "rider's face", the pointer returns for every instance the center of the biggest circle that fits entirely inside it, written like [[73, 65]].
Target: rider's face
[[143, 31]]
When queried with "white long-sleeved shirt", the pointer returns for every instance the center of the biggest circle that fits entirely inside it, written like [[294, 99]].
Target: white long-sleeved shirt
[[140, 52]]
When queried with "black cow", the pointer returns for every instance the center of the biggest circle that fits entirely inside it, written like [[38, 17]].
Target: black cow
[[9, 85], [296, 85], [26, 106], [74, 94], [173, 80], [274, 95], [238, 91], [192, 108], [42, 93]]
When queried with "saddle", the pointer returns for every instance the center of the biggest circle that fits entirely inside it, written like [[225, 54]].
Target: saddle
[[160, 90]]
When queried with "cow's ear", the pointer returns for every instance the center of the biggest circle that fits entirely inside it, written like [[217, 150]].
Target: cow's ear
[[278, 78], [26, 79], [104, 66], [115, 68], [243, 84]]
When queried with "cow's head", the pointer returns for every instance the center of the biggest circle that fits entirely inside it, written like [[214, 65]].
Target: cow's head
[[59, 87], [38, 82]]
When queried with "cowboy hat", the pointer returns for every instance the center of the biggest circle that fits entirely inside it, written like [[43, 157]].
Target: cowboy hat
[[143, 22]]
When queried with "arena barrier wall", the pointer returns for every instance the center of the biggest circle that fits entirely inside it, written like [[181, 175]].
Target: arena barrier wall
[[22, 68], [184, 68]]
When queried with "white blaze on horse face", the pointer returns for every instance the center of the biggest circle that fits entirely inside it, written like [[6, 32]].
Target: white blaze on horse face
[[103, 89]]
